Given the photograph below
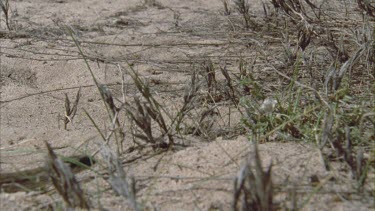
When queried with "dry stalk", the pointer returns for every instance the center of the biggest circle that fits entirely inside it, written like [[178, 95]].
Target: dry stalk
[[106, 97], [70, 112], [366, 7], [232, 93], [339, 53], [210, 76], [304, 36], [5, 7], [347, 66], [294, 8], [143, 120], [243, 8], [64, 181], [190, 96], [253, 189], [327, 128], [204, 124], [118, 179], [143, 114], [226, 7], [342, 143], [114, 111]]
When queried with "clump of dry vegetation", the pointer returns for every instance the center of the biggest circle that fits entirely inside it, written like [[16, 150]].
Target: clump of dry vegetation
[[310, 79], [65, 183], [254, 188]]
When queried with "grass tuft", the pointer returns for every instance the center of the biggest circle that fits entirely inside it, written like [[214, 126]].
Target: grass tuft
[[64, 182], [253, 188]]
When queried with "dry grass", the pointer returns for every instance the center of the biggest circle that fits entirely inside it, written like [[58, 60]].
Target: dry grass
[[293, 76], [253, 189], [5, 7], [65, 183]]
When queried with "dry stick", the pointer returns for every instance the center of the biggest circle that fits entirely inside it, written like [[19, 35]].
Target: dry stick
[[124, 92], [111, 113], [68, 88], [144, 178], [89, 68], [102, 59], [114, 111], [35, 52], [163, 45], [43, 92]]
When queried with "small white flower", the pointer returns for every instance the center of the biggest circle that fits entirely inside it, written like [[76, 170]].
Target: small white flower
[[268, 105]]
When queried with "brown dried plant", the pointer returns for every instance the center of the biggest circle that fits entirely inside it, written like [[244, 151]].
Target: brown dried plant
[[304, 36], [231, 90], [142, 119], [243, 8], [150, 110], [210, 76], [144, 112], [295, 9], [253, 189], [118, 179], [114, 111], [70, 111], [64, 181], [226, 7], [366, 7], [338, 52]]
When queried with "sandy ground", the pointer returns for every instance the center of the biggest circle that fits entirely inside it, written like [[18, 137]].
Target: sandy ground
[[42, 64]]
